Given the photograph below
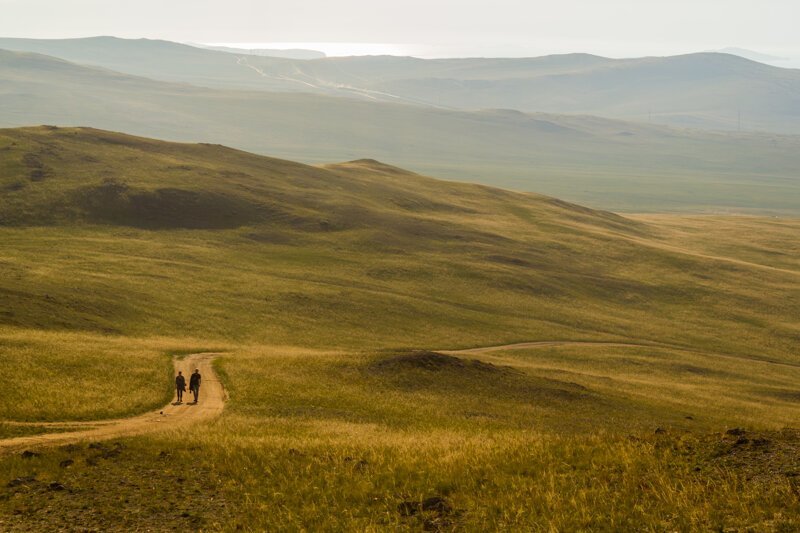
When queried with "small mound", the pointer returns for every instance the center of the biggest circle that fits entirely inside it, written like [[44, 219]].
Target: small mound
[[372, 165], [436, 362], [438, 373]]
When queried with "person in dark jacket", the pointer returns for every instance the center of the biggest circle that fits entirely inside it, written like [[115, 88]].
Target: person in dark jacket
[[194, 384], [180, 386]]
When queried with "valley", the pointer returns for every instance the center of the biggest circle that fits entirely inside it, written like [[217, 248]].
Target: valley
[[607, 163], [398, 352]]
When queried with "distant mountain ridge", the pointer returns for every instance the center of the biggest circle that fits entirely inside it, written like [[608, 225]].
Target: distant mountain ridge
[[599, 162], [751, 55], [705, 90], [290, 53]]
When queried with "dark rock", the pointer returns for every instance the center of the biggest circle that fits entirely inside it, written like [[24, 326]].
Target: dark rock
[[435, 504], [689, 417], [660, 431], [741, 441], [66, 463], [37, 174], [407, 508], [110, 454], [56, 486], [27, 454], [736, 432], [22, 481]]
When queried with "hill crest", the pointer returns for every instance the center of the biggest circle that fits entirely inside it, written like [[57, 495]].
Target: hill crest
[[56, 176]]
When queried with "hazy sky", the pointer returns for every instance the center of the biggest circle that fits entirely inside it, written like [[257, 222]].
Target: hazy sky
[[429, 27]]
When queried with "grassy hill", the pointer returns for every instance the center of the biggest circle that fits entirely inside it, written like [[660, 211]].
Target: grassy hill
[[537, 253], [603, 163], [333, 293], [162, 60], [704, 90]]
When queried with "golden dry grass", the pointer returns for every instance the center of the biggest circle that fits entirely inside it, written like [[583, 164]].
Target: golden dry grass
[[334, 421]]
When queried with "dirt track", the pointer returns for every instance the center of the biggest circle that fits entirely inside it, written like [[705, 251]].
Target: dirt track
[[211, 404], [212, 401], [538, 344], [524, 345]]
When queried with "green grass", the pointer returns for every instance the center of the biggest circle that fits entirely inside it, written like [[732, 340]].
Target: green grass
[[326, 441], [61, 376], [11, 430], [338, 418], [358, 255]]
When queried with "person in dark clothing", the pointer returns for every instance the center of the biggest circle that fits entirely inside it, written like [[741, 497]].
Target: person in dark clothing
[[194, 384], [180, 386]]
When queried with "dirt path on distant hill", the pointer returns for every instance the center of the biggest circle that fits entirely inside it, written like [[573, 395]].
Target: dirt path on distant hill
[[212, 401], [524, 345], [540, 344]]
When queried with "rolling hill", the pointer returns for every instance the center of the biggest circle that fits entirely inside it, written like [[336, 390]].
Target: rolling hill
[[361, 229], [704, 90], [604, 163], [656, 367], [162, 60]]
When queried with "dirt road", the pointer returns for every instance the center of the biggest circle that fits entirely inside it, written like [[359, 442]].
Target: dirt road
[[539, 344], [211, 404]]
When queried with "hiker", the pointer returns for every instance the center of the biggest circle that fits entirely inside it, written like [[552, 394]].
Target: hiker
[[180, 385], [194, 384]]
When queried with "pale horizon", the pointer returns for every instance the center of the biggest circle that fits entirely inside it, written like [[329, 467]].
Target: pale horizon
[[428, 28], [343, 49]]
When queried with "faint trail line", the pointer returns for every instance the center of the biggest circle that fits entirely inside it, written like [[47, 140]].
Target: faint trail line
[[323, 85], [243, 62], [537, 344], [540, 344], [721, 258], [212, 402]]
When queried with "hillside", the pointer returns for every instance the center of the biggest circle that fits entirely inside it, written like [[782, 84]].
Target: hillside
[[707, 90], [55, 176], [603, 163], [516, 264], [703, 90], [162, 60], [651, 368]]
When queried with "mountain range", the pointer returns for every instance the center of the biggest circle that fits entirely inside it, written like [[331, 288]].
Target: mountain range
[[704, 90], [607, 163]]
